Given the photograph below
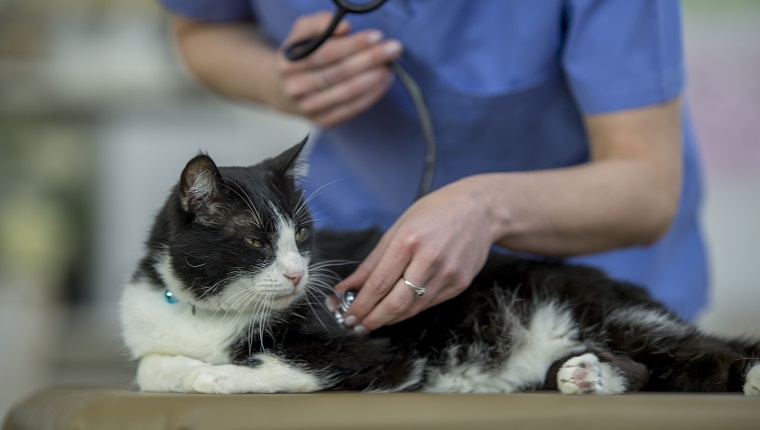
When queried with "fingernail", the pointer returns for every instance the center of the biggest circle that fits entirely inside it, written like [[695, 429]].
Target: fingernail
[[350, 320], [331, 303], [360, 329], [393, 47], [374, 36]]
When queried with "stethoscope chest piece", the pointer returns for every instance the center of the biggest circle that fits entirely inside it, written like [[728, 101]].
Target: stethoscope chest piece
[[345, 302]]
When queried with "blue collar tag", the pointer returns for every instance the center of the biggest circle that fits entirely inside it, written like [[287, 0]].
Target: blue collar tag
[[169, 296]]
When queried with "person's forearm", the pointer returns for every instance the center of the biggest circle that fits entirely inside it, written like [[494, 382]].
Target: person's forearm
[[584, 209], [344, 77], [627, 195], [228, 58]]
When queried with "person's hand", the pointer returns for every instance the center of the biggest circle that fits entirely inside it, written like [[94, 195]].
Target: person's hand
[[440, 243], [342, 78]]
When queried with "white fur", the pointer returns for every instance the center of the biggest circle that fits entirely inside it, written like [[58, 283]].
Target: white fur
[[202, 188], [182, 352], [752, 382], [550, 335], [465, 377], [186, 350], [300, 169], [585, 374], [415, 376], [150, 325], [204, 185], [656, 322], [182, 374], [289, 263]]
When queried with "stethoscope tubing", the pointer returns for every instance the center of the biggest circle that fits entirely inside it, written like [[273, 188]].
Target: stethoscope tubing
[[426, 126], [303, 48]]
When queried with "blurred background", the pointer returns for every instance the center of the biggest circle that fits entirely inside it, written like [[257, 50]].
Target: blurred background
[[97, 119]]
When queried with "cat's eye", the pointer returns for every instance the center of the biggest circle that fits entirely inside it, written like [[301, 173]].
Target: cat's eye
[[254, 242], [302, 234]]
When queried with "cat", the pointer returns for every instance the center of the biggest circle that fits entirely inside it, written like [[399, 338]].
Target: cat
[[229, 298]]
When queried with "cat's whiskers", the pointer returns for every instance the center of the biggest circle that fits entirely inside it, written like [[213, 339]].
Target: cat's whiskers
[[240, 192], [321, 285], [211, 288], [248, 297], [263, 320], [233, 301], [261, 316], [302, 206], [324, 268], [192, 265], [239, 297], [324, 277], [313, 294], [231, 280], [261, 313], [255, 317], [316, 286], [319, 190], [317, 219]]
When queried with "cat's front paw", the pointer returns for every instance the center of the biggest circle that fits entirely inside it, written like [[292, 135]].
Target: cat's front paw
[[585, 374], [752, 382], [209, 380]]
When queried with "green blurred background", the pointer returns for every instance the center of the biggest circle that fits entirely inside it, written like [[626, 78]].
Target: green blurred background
[[97, 118]]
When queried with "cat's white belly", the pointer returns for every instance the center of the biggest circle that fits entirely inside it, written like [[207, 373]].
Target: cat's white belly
[[152, 326], [551, 335]]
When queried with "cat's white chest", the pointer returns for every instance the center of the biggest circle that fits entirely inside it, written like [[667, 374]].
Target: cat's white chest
[[151, 325]]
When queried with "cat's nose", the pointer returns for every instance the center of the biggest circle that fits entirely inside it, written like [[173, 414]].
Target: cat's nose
[[295, 277]]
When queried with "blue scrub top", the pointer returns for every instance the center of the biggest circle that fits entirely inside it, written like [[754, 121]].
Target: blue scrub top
[[507, 83]]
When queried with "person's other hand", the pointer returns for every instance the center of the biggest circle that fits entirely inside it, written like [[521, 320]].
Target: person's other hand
[[440, 243], [342, 78]]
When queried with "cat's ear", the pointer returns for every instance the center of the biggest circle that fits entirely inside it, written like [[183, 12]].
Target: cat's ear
[[292, 163], [199, 185]]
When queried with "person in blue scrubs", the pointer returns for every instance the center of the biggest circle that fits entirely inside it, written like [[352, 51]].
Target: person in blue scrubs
[[560, 124]]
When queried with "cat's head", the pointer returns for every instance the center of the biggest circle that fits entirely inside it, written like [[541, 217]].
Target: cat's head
[[239, 238]]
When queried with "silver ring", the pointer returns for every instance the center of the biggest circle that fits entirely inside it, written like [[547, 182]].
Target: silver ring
[[320, 81], [418, 291]]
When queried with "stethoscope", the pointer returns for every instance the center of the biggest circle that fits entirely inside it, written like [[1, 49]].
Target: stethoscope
[[303, 48]]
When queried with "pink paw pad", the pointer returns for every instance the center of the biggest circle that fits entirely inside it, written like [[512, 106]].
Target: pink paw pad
[[580, 375]]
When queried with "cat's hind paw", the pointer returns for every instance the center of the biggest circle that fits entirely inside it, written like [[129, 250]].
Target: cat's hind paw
[[209, 380], [585, 374], [752, 382]]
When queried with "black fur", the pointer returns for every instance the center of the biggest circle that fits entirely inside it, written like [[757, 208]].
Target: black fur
[[686, 361], [203, 232]]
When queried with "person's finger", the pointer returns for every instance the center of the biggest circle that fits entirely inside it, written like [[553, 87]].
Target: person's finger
[[437, 291], [344, 91], [372, 56], [347, 111], [429, 276], [334, 49], [313, 25], [301, 84], [354, 106], [356, 280], [380, 281], [394, 305], [332, 303]]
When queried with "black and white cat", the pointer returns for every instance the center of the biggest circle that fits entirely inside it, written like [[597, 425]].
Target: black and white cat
[[229, 299]]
